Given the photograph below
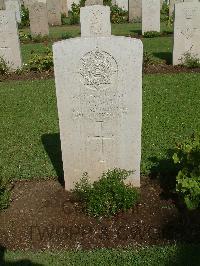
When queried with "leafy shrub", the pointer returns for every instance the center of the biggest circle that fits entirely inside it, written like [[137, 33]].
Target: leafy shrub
[[187, 157], [74, 15], [190, 61], [108, 195], [4, 195], [118, 15], [149, 59], [66, 35], [151, 34], [25, 22], [64, 19], [4, 69], [164, 13], [42, 62], [24, 36], [39, 38]]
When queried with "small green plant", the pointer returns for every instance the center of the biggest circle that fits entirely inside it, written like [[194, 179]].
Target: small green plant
[[151, 34], [118, 15], [25, 22], [190, 61], [4, 69], [149, 59], [43, 62], [108, 195], [187, 157], [66, 35], [64, 19], [74, 16], [39, 38], [24, 37], [4, 195]]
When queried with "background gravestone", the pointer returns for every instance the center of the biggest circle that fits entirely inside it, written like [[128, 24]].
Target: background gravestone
[[14, 5], [150, 15], [9, 40], [2, 5], [54, 12], [135, 10], [64, 7], [99, 97], [97, 17], [186, 31], [38, 19], [93, 2]]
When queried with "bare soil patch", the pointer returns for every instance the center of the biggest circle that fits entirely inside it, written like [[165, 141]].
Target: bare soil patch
[[42, 215], [151, 69]]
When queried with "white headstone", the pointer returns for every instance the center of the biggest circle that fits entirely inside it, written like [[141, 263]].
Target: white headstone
[[93, 2], [9, 40], [186, 31], [171, 6], [38, 19], [99, 97], [150, 15], [135, 10], [2, 5], [54, 12], [95, 21], [123, 4], [14, 5], [64, 7]]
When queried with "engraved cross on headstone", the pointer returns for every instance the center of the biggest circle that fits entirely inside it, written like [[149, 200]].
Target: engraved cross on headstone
[[103, 139]]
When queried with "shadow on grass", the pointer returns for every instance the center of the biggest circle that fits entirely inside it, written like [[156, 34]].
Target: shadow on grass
[[23, 262], [137, 32], [52, 146], [165, 171], [186, 255], [167, 56]]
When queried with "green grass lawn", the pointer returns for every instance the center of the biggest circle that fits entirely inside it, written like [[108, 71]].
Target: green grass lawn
[[117, 29], [188, 255], [29, 123], [160, 47]]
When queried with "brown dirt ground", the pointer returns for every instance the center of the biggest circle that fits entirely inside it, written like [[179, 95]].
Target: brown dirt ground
[[42, 215], [151, 69]]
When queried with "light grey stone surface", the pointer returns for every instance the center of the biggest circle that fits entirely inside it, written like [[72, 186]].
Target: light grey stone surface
[[9, 40], [95, 21], [99, 97], [171, 6], [38, 19], [135, 10], [150, 15], [93, 2], [54, 12], [14, 5], [186, 31], [123, 4]]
